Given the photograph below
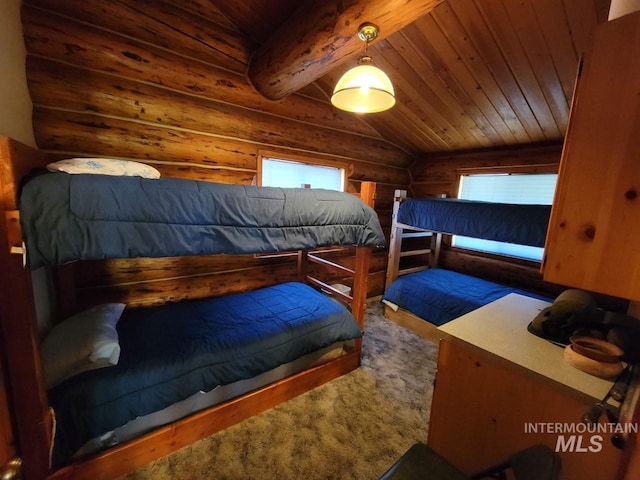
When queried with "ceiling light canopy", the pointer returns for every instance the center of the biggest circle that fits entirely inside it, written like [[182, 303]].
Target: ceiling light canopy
[[365, 88]]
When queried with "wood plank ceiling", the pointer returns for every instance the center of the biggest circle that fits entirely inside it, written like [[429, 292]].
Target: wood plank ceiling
[[471, 74]]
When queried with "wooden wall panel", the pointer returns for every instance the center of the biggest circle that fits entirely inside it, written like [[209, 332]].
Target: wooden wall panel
[[175, 289], [470, 74], [52, 36], [165, 25], [519, 273], [61, 130], [437, 175], [74, 67]]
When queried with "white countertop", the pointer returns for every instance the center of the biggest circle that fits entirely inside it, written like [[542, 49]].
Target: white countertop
[[500, 328]]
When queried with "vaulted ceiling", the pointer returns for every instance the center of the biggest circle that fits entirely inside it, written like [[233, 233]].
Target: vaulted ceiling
[[468, 74]]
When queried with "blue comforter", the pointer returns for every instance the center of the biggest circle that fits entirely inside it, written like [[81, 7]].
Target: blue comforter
[[171, 352], [502, 222], [439, 296], [88, 217]]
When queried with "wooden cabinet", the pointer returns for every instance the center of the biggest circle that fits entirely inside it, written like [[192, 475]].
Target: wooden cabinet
[[500, 389], [484, 410], [593, 241]]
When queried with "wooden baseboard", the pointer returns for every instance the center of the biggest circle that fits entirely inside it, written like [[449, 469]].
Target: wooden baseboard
[[412, 322]]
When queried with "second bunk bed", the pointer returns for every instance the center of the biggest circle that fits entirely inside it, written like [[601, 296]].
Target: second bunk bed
[[133, 373], [424, 296]]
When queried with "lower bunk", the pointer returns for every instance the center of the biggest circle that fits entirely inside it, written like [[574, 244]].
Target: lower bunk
[[424, 300], [179, 359]]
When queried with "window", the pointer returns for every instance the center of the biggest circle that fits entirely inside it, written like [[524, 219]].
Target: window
[[506, 188], [277, 172]]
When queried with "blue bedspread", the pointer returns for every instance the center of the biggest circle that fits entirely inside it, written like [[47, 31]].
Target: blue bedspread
[[439, 296], [502, 222], [171, 352], [88, 217]]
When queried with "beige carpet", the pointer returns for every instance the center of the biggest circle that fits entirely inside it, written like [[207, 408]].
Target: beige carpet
[[354, 427]]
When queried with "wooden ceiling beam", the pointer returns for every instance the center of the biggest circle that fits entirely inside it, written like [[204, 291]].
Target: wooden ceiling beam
[[321, 35]]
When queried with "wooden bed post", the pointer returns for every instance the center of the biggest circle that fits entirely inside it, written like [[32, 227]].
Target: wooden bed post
[[359, 306], [18, 327], [395, 239], [363, 258], [303, 265], [436, 243]]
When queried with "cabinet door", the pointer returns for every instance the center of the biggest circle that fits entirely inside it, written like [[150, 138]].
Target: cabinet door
[[594, 232]]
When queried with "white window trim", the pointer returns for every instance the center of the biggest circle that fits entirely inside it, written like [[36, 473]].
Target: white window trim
[[308, 160]]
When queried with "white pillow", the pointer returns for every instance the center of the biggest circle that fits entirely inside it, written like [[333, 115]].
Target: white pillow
[[104, 166], [85, 341]]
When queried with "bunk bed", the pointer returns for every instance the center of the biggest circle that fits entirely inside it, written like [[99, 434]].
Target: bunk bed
[[424, 296], [172, 372]]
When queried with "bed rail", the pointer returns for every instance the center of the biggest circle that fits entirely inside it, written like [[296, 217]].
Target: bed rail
[[18, 321]]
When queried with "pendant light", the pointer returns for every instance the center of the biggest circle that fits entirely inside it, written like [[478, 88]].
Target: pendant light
[[365, 88]]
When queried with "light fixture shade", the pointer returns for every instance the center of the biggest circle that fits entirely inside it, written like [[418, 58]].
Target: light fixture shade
[[364, 89]]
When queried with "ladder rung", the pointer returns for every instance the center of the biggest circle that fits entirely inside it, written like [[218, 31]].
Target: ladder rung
[[417, 235], [410, 253], [411, 270]]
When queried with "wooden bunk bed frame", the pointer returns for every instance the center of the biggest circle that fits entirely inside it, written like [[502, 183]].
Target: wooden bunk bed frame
[[429, 256], [400, 232], [34, 423]]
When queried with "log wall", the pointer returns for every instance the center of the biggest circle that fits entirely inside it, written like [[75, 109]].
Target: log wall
[[163, 82], [438, 175]]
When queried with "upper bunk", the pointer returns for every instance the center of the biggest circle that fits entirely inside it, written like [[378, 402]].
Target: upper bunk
[[56, 219], [68, 217], [521, 224], [501, 222]]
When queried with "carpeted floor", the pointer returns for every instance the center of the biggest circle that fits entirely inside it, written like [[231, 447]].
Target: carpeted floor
[[353, 427]]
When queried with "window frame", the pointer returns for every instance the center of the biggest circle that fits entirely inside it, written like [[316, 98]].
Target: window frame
[[500, 170], [304, 159]]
